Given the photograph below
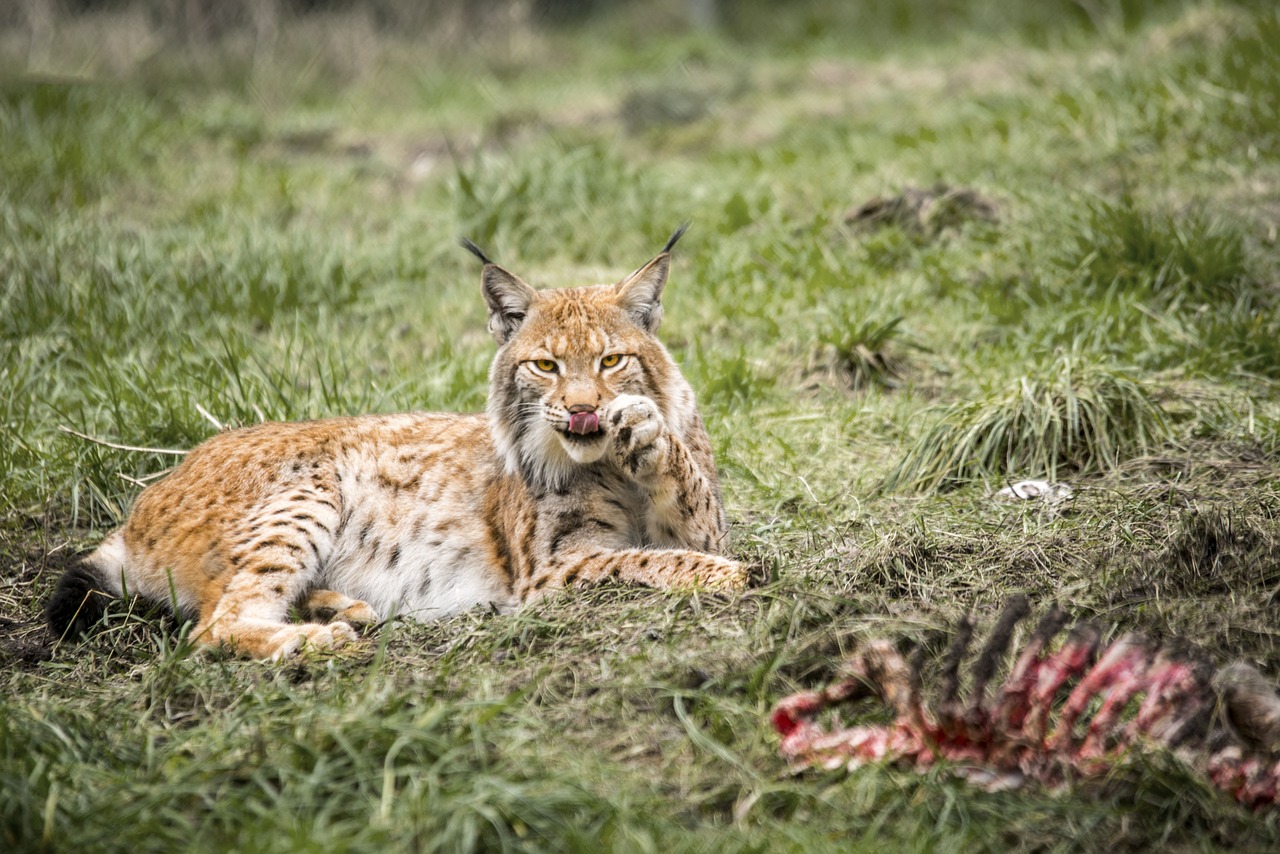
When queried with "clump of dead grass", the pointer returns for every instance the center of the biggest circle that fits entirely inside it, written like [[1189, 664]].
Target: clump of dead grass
[[924, 213]]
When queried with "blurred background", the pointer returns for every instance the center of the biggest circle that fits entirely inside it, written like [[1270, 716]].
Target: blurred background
[[125, 36]]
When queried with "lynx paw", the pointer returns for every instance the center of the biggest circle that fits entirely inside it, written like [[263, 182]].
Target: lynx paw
[[312, 636], [327, 606], [728, 576], [359, 615], [715, 574], [636, 430]]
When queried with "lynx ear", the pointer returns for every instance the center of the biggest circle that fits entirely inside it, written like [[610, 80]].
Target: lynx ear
[[508, 298], [641, 292], [506, 294]]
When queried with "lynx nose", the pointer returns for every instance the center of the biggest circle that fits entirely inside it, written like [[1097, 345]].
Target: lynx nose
[[583, 419]]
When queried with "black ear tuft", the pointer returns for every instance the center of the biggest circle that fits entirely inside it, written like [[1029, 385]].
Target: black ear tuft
[[77, 604], [675, 238], [466, 244]]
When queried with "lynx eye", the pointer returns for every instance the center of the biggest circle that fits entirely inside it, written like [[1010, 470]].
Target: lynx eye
[[610, 361], [547, 366]]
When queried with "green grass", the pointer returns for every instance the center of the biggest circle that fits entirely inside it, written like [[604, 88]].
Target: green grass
[[1190, 256], [1068, 417], [208, 236]]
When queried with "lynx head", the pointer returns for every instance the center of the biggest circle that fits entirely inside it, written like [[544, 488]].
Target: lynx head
[[565, 355]]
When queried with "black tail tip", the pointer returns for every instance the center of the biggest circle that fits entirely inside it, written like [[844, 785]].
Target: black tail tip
[[77, 604]]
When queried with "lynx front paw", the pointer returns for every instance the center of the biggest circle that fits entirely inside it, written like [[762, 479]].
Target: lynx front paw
[[697, 571], [637, 433], [311, 636], [727, 575]]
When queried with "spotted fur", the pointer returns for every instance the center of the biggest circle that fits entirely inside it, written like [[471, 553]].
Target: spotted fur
[[591, 463]]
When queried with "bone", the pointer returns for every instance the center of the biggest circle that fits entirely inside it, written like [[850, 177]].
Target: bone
[[1249, 779], [1117, 664], [1188, 719], [997, 644], [1069, 661], [1116, 695], [1001, 742], [1015, 696], [951, 664], [1172, 686], [847, 690]]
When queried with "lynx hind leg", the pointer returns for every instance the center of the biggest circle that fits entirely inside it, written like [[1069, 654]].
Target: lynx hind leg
[[327, 606], [251, 616], [271, 567]]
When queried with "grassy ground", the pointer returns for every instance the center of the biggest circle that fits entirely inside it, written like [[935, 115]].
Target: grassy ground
[[933, 250]]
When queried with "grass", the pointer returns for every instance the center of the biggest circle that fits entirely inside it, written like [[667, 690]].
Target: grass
[[855, 344], [1068, 417], [218, 236], [1188, 256]]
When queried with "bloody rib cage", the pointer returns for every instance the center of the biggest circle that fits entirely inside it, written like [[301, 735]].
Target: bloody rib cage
[[1060, 714]]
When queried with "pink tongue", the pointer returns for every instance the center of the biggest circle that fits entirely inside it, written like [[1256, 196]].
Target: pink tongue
[[583, 423]]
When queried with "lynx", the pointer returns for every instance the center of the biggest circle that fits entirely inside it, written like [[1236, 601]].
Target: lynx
[[591, 463]]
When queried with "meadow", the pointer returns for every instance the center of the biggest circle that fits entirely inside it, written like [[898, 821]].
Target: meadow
[[936, 247]]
